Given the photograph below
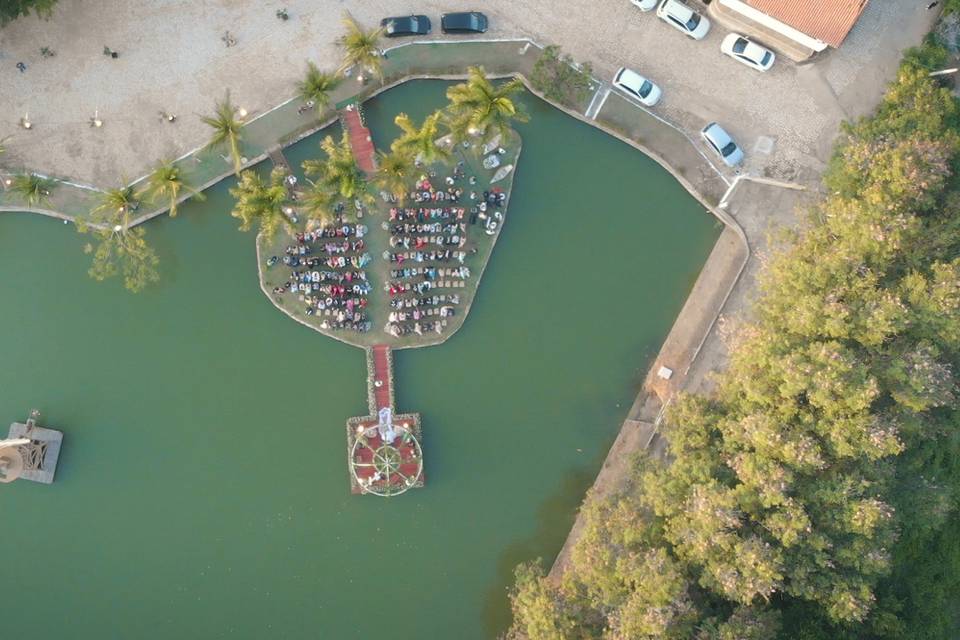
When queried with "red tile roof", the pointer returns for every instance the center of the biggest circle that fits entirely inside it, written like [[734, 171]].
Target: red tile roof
[[826, 20]]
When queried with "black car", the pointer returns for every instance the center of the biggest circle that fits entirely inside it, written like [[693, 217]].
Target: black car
[[406, 26], [466, 22]]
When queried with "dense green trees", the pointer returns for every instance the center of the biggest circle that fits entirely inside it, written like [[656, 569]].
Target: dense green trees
[[831, 435], [13, 9]]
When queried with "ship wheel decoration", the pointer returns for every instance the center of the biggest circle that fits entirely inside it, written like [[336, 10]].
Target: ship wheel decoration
[[386, 459]]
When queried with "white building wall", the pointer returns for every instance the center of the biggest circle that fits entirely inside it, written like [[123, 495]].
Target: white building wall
[[771, 23]]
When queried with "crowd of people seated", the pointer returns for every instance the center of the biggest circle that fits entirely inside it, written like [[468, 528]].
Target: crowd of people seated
[[428, 248], [327, 272]]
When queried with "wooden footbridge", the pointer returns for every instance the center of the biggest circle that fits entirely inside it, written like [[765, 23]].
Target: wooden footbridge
[[351, 117]]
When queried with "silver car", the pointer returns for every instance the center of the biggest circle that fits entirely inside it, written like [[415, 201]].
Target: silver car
[[756, 56], [636, 86], [723, 144], [680, 16]]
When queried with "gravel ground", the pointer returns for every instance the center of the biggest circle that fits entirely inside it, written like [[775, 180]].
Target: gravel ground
[[172, 59]]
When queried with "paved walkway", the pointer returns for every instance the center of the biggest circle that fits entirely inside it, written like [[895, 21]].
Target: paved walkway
[[383, 375], [360, 140]]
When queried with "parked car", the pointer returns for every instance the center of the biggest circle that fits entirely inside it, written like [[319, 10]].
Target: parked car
[[723, 144], [636, 86], [406, 26], [644, 5], [679, 15], [464, 22], [750, 53]]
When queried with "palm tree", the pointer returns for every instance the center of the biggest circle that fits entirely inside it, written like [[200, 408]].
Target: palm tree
[[478, 106], [316, 203], [261, 202], [316, 86], [420, 144], [395, 174], [34, 189], [226, 130], [122, 249], [165, 184], [120, 200], [360, 47], [339, 173]]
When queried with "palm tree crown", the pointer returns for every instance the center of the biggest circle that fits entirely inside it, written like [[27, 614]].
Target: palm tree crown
[[113, 202], [339, 173], [480, 106], [360, 47], [165, 184], [32, 188], [316, 203], [420, 143], [260, 202], [395, 173], [226, 130], [316, 86]]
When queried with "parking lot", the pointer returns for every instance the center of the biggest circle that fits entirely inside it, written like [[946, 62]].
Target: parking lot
[[172, 59]]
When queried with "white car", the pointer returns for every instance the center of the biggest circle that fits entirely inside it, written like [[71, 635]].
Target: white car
[[748, 52], [679, 15], [644, 5], [636, 86], [723, 144]]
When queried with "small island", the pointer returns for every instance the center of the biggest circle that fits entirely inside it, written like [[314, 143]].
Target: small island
[[385, 251], [400, 269]]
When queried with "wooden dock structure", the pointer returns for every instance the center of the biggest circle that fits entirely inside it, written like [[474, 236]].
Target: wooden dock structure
[[384, 456], [42, 453], [361, 142], [279, 160]]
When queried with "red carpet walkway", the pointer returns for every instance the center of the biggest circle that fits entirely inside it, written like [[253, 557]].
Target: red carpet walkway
[[381, 372], [360, 140]]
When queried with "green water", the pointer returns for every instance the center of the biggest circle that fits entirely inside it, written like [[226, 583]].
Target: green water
[[202, 490]]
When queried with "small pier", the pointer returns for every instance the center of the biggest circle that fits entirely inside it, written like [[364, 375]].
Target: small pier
[[383, 449], [351, 117], [280, 161], [30, 452]]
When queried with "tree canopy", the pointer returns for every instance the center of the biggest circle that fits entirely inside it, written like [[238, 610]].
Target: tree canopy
[[227, 130], [260, 203], [121, 249], [338, 174], [13, 9], [479, 106], [824, 461], [316, 87]]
